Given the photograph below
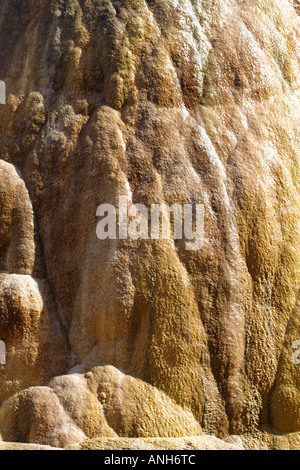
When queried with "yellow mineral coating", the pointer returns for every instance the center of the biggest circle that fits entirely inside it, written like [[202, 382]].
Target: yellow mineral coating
[[144, 344]]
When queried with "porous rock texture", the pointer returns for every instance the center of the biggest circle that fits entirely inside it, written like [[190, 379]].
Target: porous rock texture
[[161, 101]]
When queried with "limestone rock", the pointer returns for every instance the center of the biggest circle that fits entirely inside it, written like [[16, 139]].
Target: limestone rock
[[191, 443], [161, 101], [14, 446]]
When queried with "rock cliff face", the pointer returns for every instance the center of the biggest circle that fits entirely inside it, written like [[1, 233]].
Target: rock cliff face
[[161, 101]]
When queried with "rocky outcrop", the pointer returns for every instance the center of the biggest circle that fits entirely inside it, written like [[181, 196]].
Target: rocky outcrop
[[173, 101]]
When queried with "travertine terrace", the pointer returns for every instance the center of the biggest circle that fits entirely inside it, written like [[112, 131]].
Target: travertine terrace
[[144, 342]]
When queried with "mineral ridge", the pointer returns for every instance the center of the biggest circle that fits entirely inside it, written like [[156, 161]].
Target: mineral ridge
[[141, 343]]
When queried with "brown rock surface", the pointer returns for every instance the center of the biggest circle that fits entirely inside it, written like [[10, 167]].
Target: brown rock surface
[[162, 101]]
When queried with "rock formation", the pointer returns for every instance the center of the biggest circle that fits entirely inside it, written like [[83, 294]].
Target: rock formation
[[161, 101]]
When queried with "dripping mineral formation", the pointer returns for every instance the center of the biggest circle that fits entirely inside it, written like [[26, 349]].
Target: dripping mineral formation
[[142, 343]]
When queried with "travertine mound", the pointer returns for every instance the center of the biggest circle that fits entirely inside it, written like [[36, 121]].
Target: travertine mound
[[161, 101]]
